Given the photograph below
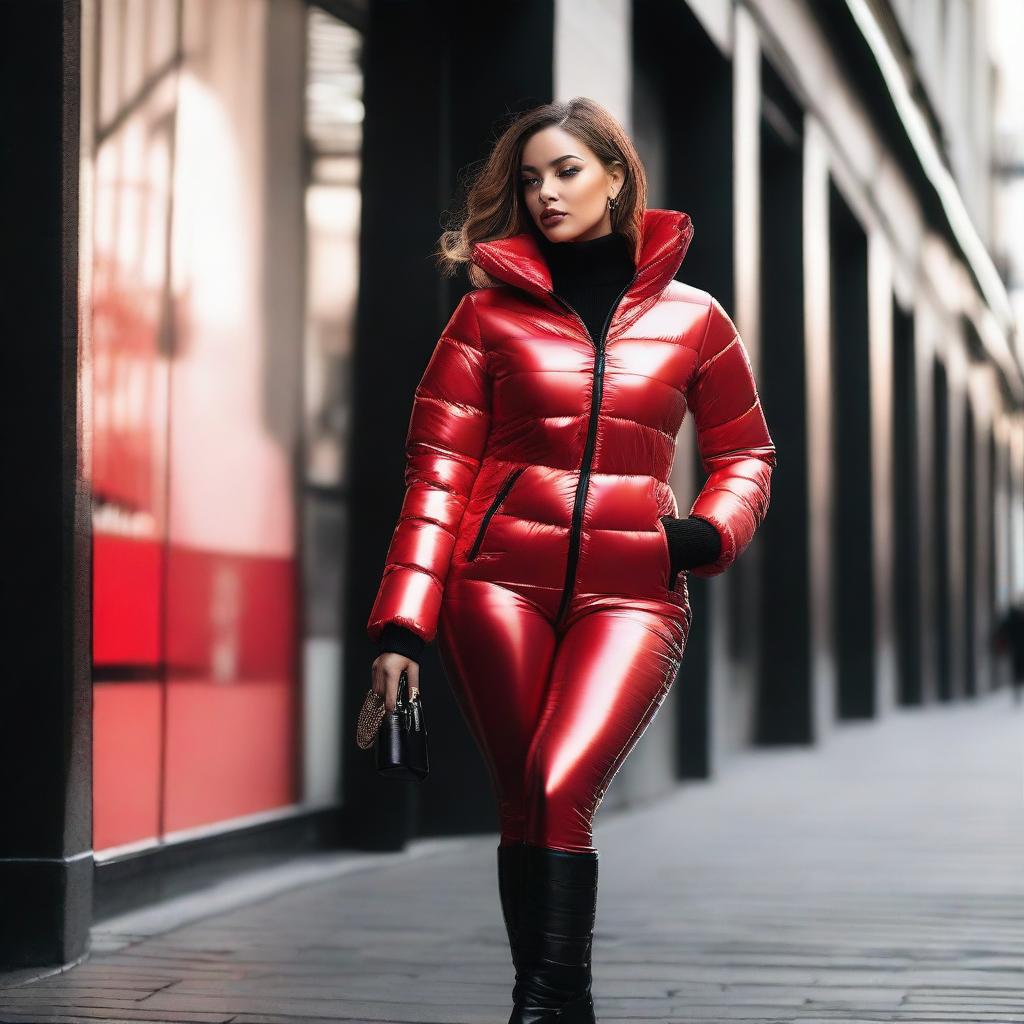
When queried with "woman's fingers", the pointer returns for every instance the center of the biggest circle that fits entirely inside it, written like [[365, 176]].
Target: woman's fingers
[[393, 675], [387, 671], [379, 684]]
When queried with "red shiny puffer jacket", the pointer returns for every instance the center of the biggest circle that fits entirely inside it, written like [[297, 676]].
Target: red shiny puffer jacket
[[542, 455]]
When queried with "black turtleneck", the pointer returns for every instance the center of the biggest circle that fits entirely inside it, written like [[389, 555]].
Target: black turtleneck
[[590, 275]]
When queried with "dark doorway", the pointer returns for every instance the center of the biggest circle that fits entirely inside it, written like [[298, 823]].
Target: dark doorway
[[784, 709], [992, 526], [852, 541], [970, 528], [943, 618], [906, 509]]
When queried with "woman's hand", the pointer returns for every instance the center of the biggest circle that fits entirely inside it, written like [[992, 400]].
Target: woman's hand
[[387, 670]]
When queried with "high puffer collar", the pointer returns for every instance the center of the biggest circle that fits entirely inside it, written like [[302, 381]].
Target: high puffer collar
[[518, 259]]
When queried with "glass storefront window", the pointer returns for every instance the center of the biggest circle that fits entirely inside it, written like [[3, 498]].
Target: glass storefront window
[[225, 167]]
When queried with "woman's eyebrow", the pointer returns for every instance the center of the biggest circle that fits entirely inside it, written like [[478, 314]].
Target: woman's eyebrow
[[557, 160]]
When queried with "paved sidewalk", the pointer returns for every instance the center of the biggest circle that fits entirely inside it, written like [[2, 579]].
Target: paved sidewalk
[[879, 877]]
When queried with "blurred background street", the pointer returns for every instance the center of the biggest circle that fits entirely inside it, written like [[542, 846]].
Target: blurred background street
[[218, 295]]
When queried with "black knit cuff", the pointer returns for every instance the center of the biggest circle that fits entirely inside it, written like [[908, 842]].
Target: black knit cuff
[[396, 639], [692, 541]]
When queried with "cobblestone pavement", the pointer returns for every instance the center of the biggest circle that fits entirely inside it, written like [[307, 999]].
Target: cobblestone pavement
[[877, 877]]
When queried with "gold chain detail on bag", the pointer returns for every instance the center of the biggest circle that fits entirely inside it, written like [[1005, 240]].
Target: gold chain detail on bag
[[371, 714]]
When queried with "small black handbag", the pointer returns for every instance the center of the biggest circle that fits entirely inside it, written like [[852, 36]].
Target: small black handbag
[[400, 740]]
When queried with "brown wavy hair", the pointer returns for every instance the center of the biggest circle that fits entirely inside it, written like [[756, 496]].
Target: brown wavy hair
[[494, 206]]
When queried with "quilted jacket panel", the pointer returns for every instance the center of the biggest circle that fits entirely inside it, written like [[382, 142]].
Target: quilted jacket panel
[[540, 456]]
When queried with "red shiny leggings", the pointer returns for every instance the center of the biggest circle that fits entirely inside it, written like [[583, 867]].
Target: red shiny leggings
[[556, 711]]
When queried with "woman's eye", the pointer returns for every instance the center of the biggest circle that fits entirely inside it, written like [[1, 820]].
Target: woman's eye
[[569, 171]]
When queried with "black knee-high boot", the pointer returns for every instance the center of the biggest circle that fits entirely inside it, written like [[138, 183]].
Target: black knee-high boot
[[511, 869], [556, 938]]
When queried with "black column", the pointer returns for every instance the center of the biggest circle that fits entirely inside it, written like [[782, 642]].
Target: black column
[[45, 736], [440, 80]]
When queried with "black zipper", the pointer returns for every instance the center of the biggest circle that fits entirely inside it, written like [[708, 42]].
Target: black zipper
[[588, 449], [498, 499]]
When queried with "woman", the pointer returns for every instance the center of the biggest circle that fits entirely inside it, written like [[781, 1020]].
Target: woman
[[538, 541]]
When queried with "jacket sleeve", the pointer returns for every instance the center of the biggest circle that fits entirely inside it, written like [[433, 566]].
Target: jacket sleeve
[[736, 449], [448, 428]]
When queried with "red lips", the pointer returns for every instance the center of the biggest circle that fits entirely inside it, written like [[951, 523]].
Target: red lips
[[552, 215]]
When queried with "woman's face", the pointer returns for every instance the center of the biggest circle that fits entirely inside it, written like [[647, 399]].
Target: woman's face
[[559, 172]]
